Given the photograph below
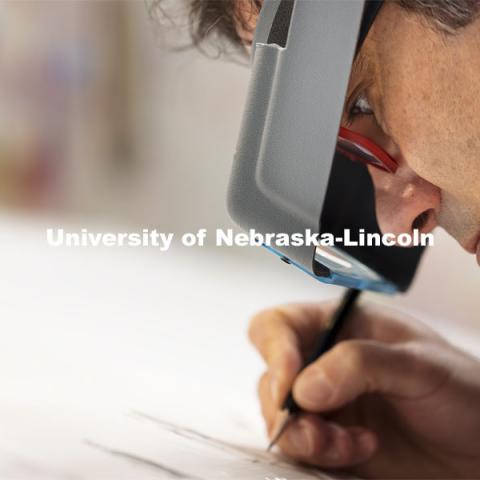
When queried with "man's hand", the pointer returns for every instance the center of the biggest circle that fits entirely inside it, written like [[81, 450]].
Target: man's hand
[[391, 400]]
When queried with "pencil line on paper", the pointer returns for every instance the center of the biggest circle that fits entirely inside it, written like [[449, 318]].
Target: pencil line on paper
[[141, 460], [196, 436], [250, 455], [180, 430]]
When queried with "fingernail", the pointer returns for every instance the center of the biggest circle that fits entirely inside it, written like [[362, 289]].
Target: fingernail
[[300, 439], [315, 390]]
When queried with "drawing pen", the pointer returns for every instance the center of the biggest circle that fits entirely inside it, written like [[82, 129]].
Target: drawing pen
[[326, 342]]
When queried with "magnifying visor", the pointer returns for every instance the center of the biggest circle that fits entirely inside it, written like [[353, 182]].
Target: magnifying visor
[[296, 168]]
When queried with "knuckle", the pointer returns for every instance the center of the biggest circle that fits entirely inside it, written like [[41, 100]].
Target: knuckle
[[257, 322], [352, 355], [420, 359], [254, 325], [260, 320]]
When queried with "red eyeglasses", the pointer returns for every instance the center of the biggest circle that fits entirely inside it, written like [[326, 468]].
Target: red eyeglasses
[[358, 148]]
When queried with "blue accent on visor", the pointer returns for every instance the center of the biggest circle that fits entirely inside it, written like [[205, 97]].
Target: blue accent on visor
[[343, 280]]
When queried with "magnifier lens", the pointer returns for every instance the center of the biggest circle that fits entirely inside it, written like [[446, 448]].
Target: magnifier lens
[[358, 148], [356, 153]]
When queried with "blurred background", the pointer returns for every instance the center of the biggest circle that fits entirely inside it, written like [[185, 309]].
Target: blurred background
[[98, 116], [103, 123]]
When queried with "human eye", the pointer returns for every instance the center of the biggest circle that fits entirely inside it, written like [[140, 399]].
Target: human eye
[[359, 106]]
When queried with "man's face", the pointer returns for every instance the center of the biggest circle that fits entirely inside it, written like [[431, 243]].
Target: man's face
[[414, 91]]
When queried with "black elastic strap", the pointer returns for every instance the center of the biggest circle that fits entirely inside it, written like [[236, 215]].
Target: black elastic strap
[[281, 23]]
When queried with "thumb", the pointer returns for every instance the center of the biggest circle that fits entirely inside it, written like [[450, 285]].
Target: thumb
[[355, 367]]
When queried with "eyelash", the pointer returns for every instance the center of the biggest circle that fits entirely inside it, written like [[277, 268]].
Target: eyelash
[[352, 114]]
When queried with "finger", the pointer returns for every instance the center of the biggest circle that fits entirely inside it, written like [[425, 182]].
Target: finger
[[386, 325], [355, 367], [298, 324], [281, 334], [268, 407], [307, 321], [325, 444]]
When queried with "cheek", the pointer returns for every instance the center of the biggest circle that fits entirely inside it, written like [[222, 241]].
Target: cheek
[[414, 136]]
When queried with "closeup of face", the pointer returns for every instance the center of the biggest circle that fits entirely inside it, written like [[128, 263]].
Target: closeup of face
[[413, 90]]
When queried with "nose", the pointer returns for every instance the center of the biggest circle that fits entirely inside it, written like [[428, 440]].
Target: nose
[[404, 201]]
